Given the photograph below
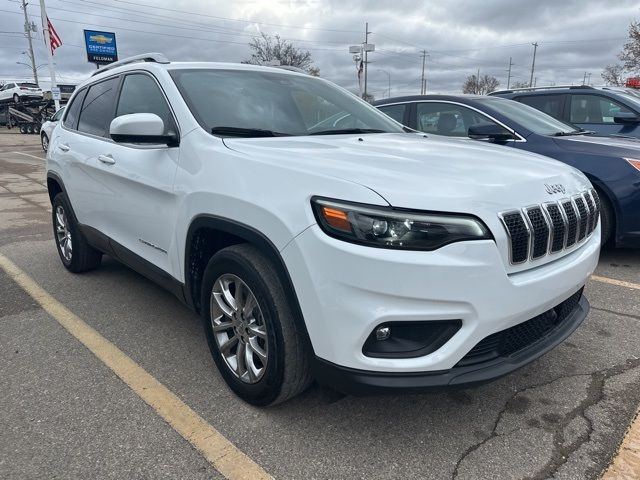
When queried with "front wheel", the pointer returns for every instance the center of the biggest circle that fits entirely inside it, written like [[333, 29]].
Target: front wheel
[[250, 327], [607, 220], [16, 98], [76, 254]]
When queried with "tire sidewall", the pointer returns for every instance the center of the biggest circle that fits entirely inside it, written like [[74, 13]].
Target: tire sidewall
[[42, 138], [267, 389], [61, 199]]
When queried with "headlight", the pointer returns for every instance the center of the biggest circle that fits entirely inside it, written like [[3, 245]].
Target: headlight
[[390, 228], [634, 163]]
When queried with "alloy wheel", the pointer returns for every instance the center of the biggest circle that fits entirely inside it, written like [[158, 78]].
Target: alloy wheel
[[239, 328], [63, 234]]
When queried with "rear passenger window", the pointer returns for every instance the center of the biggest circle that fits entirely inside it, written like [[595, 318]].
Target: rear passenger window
[[594, 109], [71, 118], [141, 94], [549, 104], [395, 111], [98, 107]]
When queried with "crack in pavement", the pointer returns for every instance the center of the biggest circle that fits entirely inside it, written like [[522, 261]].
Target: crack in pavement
[[606, 310], [561, 454]]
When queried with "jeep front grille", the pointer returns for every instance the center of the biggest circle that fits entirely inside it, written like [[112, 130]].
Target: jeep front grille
[[550, 228]]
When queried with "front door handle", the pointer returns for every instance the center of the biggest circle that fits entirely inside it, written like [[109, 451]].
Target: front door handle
[[63, 147], [106, 159]]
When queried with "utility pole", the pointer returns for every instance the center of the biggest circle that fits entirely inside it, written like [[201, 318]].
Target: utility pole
[[589, 79], [47, 40], [423, 82], [533, 64], [509, 74], [27, 31], [366, 42]]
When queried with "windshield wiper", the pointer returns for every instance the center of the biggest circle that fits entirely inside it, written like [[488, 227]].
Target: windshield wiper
[[246, 132], [348, 130], [574, 132]]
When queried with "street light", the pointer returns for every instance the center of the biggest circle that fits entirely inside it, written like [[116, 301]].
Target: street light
[[29, 66], [388, 75]]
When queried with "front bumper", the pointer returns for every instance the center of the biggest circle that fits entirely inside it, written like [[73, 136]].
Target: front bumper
[[362, 382], [346, 290]]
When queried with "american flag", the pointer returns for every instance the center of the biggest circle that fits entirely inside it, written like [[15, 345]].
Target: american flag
[[54, 39]]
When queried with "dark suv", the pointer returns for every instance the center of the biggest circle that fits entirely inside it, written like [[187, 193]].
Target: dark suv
[[604, 110]]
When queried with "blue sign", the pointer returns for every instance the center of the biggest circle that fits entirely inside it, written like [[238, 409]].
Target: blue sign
[[101, 46]]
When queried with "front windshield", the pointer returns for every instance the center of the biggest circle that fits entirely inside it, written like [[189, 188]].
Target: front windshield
[[529, 117], [250, 103]]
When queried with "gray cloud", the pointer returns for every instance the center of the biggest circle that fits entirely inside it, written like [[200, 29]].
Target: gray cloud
[[461, 36]]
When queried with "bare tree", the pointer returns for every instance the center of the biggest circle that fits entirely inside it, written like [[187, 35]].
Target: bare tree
[[614, 75], [630, 54], [266, 49], [480, 85]]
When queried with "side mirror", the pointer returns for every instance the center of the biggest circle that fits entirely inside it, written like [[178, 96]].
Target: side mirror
[[489, 131], [144, 128], [626, 118]]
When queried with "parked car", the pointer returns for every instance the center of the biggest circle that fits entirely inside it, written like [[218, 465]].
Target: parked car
[[611, 164], [47, 128], [604, 110], [358, 254], [19, 91]]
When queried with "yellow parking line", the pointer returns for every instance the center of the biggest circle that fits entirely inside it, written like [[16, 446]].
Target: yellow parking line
[[626, 464], [220, 452], [613, 281]]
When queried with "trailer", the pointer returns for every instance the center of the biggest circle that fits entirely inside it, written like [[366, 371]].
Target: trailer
[[27, 116]]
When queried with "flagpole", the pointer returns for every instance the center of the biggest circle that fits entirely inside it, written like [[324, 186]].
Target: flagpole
[[47, 39]]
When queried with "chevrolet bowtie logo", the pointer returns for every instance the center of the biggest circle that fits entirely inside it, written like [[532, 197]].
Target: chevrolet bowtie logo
[[554, 188], [100, 39]]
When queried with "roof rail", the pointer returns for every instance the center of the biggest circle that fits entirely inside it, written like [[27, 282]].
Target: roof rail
[[533, 89], [144, 57]]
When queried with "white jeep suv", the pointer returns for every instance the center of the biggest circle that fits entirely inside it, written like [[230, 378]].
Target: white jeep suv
[[316, 237]]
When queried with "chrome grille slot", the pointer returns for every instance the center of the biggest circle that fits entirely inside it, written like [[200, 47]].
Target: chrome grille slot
[[583, 216], [550, 228], [519, 235], [558, 227], [539, 231]]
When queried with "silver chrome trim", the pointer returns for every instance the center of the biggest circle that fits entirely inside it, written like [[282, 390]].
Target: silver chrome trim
[[526, 225], [544, 208]]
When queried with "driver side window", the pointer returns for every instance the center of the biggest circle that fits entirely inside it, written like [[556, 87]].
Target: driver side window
[[448, 119]]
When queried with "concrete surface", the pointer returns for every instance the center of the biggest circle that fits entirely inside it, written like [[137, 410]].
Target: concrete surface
[[64, 415]]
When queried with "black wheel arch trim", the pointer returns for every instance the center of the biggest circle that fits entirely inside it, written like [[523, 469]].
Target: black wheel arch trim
[[58, 180], [259, 240]]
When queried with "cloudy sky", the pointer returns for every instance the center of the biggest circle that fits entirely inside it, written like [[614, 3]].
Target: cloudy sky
[[460, 36]]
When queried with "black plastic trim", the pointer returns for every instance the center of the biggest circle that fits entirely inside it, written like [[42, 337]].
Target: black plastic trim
[[363, 382], [105, 244], [259, 240]]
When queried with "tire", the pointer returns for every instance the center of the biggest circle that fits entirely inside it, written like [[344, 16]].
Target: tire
[[286, 371], [607, 221], [77, 256], [30, 129], [36, 128], [23, 129], [16, 98], [44, 140]]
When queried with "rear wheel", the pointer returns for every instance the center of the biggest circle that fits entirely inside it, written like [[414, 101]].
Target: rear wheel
[[23, 129], [76, 254], [45, 141], [30, 128], [250, 328]]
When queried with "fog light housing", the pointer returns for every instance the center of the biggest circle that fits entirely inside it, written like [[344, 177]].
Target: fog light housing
[[409, 339], [382, 333]]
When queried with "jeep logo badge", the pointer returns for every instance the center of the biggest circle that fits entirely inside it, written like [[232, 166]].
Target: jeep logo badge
[[554, 188]]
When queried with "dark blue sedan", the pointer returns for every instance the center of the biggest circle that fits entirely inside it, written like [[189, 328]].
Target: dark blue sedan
[[612, 164]]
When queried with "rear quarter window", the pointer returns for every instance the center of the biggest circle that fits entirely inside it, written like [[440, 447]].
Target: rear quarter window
[[73, 109]]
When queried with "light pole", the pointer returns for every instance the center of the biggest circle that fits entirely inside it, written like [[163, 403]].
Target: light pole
[[388, 75]]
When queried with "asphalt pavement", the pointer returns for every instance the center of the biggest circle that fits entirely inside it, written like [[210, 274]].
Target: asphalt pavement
[[64, 413]]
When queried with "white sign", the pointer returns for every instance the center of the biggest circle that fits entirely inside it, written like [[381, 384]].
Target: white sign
[[55, 93]]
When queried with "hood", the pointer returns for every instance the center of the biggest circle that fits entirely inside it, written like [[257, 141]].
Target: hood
[[420, 172], [595, 145]]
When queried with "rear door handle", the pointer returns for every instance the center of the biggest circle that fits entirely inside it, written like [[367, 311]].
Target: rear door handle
[[106, 159], [63, 147]]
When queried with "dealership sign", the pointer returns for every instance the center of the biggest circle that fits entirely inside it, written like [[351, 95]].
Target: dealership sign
[[101, 46]]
